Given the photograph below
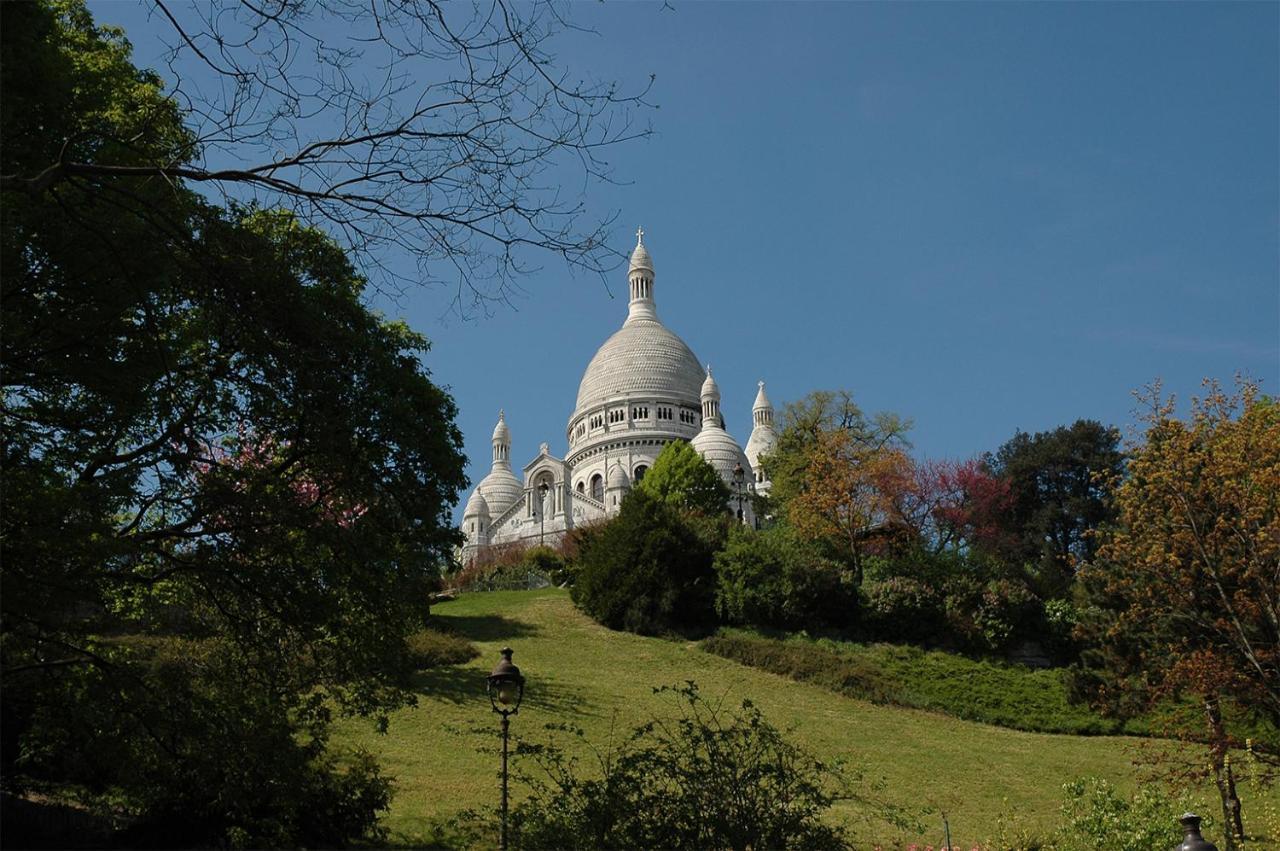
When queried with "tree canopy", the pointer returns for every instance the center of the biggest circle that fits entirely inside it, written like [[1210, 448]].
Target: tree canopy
[[1059, 485], [681, 478], [227, 483]]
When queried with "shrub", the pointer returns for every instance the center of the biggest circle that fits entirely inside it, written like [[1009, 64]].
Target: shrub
[[431, 648], [512, 567], [1095, 815], [705, 778], [771, 579], [1061, 618], [991, 616], [646, 571], [902, 609]]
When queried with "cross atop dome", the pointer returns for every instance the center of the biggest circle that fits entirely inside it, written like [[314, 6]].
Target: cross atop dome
[[640, 236]]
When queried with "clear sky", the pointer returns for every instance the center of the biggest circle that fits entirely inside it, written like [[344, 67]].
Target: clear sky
[[982, 217]]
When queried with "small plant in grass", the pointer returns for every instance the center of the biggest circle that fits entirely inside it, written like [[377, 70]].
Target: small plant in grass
[[431, 648]]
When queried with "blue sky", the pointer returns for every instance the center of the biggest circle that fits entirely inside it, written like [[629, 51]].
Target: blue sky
[[982, 217]]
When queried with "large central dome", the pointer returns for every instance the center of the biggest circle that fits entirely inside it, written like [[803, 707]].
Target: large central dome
[[643, 358]]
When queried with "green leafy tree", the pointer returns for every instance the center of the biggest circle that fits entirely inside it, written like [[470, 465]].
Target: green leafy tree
[[227, 484], [681, 478], [1060, 485], [646, 571]]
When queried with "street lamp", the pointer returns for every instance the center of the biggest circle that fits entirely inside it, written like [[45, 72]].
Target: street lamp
[[1193, 841], [542, 513], [506, 689], [739, 476]]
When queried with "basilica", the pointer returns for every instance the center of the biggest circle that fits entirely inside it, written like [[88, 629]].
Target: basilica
[[642, 390]]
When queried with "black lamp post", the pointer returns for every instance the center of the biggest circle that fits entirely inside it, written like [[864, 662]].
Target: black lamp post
[[542, 513], [1193, 841], [739, 476], [506, 690]]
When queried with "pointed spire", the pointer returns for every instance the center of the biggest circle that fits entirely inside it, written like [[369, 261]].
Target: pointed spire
[[710, 401], [762, 410], [640, 277], [501, 441]]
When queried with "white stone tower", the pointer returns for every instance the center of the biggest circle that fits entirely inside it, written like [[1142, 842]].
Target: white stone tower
[[721, 451], [763, 438]]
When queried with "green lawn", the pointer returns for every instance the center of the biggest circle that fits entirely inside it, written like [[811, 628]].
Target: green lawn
[[582, 673]]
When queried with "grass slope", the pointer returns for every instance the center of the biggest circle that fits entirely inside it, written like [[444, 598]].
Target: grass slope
[[581, 673]]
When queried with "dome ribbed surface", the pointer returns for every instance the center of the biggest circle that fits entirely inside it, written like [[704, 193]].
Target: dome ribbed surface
[[720, 450], [710, 389], [501, 489], [642, 358], [640, 259]]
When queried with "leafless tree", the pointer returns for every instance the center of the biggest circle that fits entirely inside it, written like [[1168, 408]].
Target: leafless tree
[[442, 132]]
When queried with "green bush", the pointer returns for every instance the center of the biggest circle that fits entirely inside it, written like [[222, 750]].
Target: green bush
[[646, 571], [706, 777], [431, 648], [1095, 815], [902, 609], [990, 616], [771, 579]]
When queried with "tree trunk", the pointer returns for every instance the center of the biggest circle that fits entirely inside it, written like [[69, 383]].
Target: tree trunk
[[1233, 824]]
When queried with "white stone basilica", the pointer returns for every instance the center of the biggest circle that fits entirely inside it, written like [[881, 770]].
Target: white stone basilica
[[643, 389]]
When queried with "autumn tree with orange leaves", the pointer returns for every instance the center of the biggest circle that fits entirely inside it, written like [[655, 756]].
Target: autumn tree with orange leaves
[[831, 472], [1190, 576]]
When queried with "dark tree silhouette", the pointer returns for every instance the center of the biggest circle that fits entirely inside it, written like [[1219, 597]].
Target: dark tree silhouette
[[444, 132]]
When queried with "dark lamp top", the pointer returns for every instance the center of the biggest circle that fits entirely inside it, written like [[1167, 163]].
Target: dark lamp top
[[738, 473], [1193, 841], [506, 671], [506, 686]]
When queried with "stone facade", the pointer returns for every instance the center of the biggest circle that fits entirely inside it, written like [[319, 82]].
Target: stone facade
[[643, 389]]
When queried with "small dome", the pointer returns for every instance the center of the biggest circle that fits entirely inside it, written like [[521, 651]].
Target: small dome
[[763, 440], [618, 478], [721, 451], [501, 434], [709, 387], [477, 505], [501, 489]]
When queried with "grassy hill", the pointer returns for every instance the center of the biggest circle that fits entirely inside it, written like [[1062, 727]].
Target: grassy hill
[[581, 673]]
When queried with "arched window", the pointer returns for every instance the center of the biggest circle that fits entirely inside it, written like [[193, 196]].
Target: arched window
[[597, 487], [582, 487], [639, 474]]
